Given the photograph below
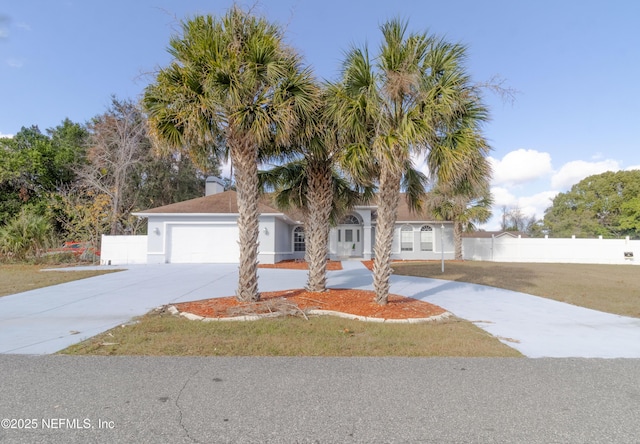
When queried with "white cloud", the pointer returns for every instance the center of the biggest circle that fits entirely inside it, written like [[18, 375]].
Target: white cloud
[[15, 63], [529, 205], [634, 167], [520, 166], [536, 204], [502, 197], [6, 136], [573, 172]]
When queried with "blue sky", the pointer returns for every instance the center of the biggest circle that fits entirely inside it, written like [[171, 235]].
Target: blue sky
[[575, 65]]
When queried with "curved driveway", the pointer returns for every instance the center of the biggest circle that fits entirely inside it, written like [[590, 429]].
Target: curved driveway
[[47, 320]]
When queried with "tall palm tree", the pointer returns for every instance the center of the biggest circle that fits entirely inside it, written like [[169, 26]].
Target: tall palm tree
[[398, 105], [232, 78]]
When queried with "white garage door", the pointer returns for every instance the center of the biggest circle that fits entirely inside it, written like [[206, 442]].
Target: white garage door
[[188, 244]]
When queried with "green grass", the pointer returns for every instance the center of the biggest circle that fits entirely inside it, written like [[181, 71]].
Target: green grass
[[162, 334], [16, 278], [609, 288]]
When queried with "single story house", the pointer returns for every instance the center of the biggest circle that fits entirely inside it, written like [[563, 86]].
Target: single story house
[[204, 230]]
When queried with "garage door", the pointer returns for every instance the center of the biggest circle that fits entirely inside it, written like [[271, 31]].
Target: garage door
[[188, 244]]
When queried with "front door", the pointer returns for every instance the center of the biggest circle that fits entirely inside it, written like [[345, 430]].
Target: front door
[[350, 241]]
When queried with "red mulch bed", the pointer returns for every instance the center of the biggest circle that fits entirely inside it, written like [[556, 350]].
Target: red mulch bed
[[301, 265], [355, 302]]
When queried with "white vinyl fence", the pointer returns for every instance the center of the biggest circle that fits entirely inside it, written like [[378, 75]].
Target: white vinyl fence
[[123, 250], [572, 250]]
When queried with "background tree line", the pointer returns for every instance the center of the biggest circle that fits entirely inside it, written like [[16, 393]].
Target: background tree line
[[77, 181], [606, 204]]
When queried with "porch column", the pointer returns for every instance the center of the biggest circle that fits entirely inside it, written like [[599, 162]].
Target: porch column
[[333, 244], [368, 242]]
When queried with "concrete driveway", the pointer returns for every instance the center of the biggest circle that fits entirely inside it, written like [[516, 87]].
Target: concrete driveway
[[47, 320]]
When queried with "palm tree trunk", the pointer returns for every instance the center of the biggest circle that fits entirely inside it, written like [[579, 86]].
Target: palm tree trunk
[[319, 199], [457, 239], [245, 159], [388, 196]]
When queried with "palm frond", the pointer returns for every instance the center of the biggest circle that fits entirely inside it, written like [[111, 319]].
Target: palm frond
[[415, 184]]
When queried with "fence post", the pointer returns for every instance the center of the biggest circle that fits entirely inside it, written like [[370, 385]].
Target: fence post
[[442, 244]]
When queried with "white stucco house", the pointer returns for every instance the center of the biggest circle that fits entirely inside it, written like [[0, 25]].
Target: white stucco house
[[204, 230]]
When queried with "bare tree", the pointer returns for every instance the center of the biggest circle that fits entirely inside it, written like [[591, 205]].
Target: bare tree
[[515, 220], [118, 141]]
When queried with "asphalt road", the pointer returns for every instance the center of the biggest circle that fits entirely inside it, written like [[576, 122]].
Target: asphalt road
[[66, 399]]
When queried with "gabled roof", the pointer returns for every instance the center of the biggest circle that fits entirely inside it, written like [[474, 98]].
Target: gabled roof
[[220, 203]]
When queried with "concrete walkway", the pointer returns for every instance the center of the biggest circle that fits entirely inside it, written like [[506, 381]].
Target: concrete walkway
[[47, 320]]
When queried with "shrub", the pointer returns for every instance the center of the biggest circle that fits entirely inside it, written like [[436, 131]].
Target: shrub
[[27, 235]]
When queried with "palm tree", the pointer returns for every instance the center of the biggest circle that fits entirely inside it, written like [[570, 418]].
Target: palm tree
[[313, 185], [233, 79], [467, 199], [400, 106], [464, 205]]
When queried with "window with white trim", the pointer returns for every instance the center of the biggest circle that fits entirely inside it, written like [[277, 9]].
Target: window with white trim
[[406, 238], [426, 238], [298, 239]]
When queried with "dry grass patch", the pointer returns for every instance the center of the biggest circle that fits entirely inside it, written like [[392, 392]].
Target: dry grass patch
[[19, 278], [609, 288], [162, 334]]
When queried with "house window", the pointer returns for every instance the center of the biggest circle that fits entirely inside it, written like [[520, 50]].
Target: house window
[[348, 235], [426, 238], [298, 239], [406, 238], [350, 220]]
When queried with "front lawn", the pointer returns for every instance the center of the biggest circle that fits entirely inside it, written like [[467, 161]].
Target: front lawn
[[609, 288], [16, 278]]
